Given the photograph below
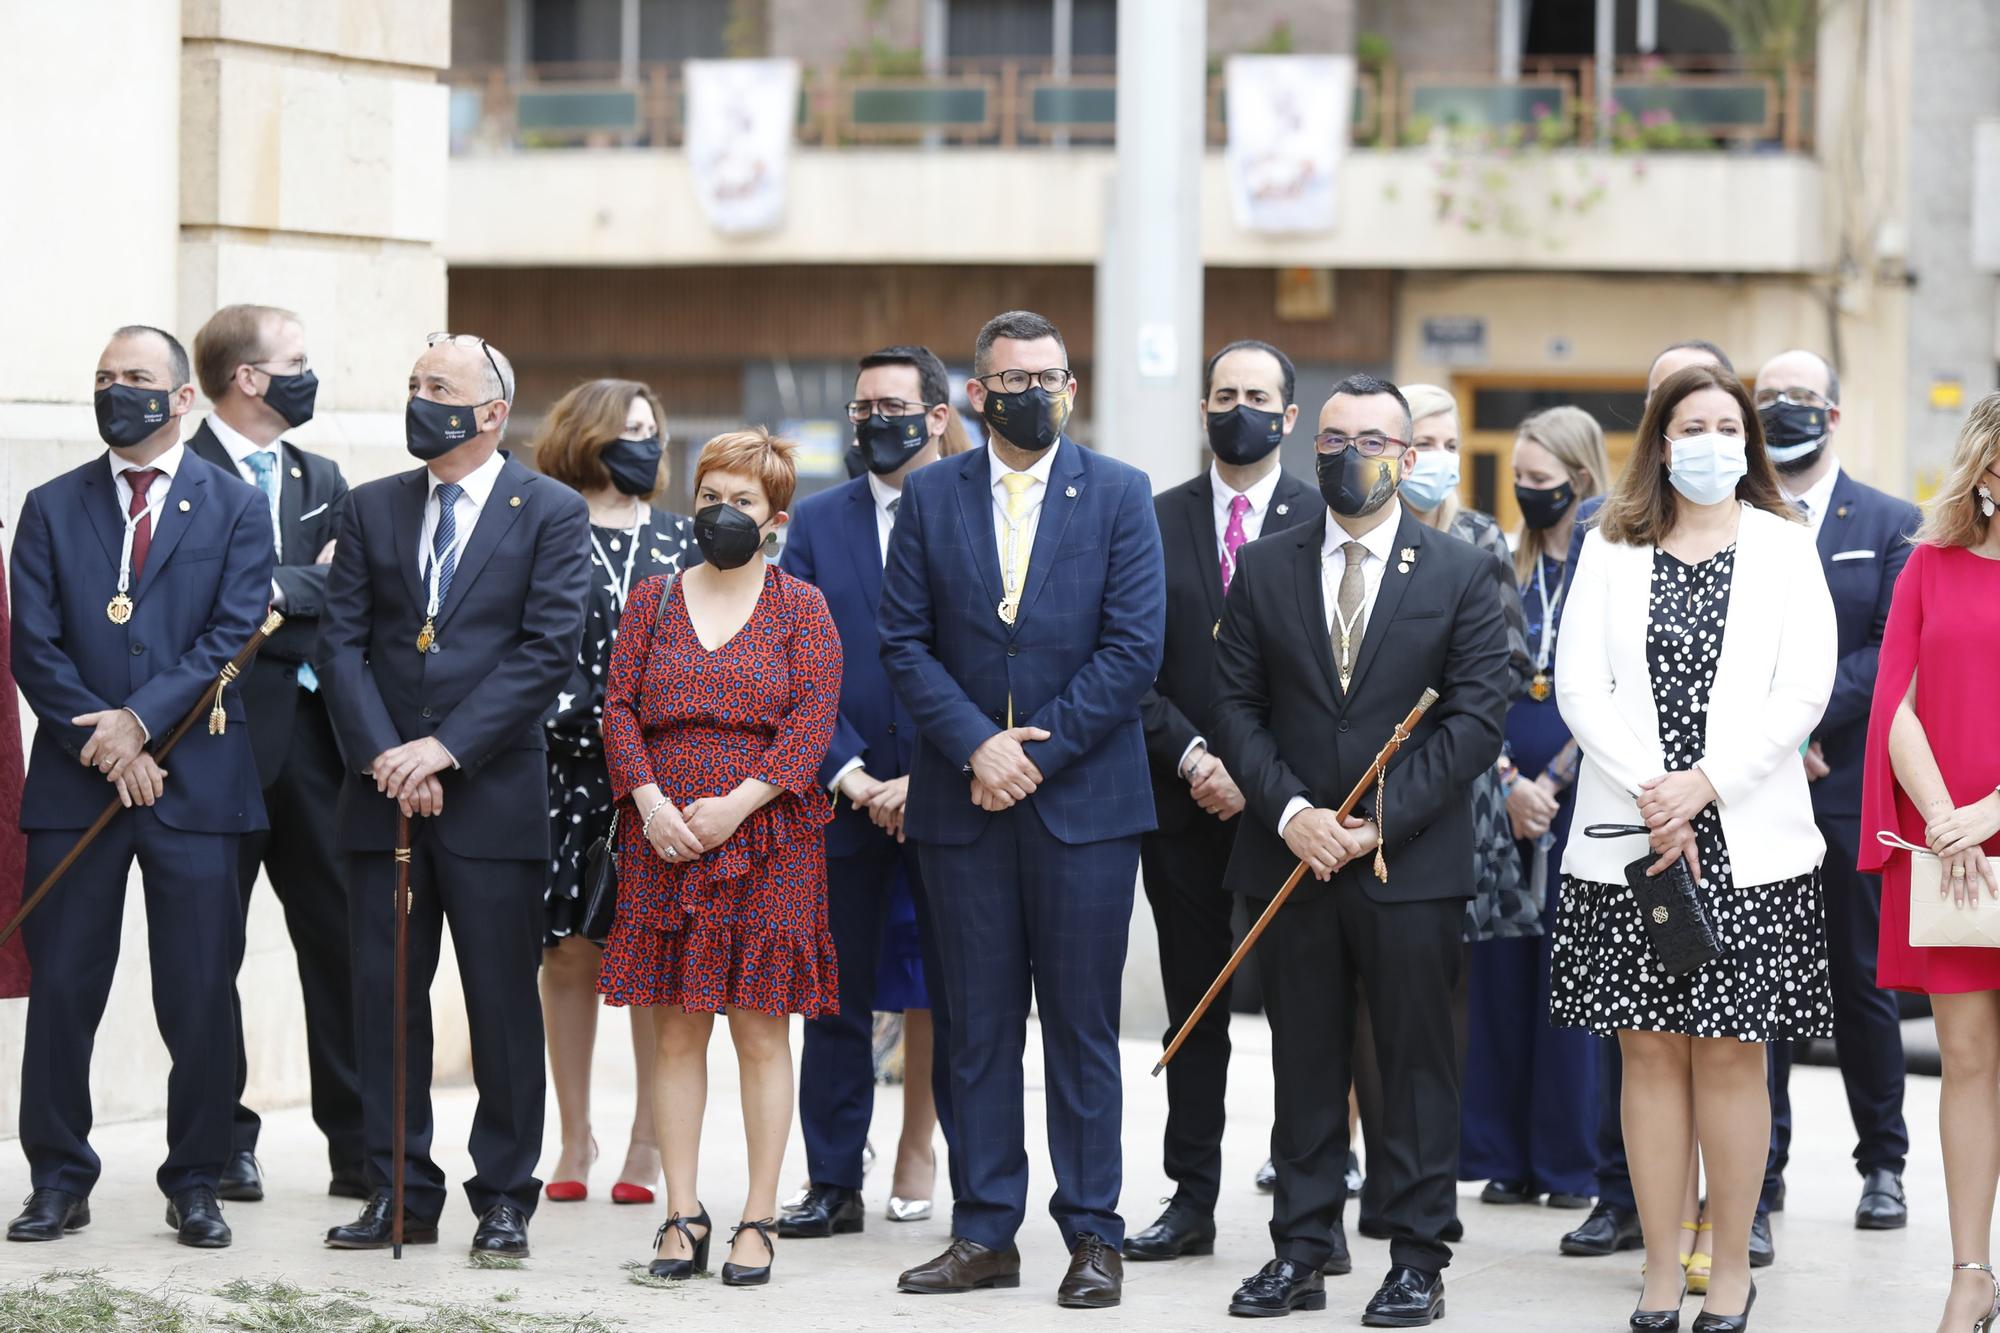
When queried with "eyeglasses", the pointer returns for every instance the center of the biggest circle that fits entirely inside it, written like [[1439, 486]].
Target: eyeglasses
[[1368, 446], [1791, 398], [460, 338], [298, 365], [1055, 379], [863, 408]]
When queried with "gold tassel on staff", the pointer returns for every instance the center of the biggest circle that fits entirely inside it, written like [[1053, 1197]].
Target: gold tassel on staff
[[218, 721], [1372, 778]]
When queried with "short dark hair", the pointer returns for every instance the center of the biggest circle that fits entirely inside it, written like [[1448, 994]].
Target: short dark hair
[[936, 384], [1720, 357], [178, 368], [1285, 367], [1020, 325], [1367, 386]]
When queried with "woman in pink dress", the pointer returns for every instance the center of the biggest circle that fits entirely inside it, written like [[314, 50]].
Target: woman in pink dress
[[1933, 767]]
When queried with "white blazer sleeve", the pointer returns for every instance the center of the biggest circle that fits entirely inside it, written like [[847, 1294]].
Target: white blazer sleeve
[[1586, 678], [1801, 681]]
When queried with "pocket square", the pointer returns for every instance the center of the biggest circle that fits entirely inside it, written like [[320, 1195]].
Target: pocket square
[[1852, 555], [315, 513]]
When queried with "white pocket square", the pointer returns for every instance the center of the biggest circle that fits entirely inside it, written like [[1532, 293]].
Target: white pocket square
[[314, 513], [1845, 555]]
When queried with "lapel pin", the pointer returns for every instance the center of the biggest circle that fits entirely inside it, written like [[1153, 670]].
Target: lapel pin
[[1840, 512], [1284, 509], [298, 472], [1070, 493], [514, 503], [185, 506]]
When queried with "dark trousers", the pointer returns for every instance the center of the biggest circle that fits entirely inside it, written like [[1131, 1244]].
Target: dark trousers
[[1867, 1030], [1019, 915], [496, 915], [1614, 1173], [304, 866], [1408, 956], [194, 936], [837, 1066], [1368, 1103], [1192, 915]]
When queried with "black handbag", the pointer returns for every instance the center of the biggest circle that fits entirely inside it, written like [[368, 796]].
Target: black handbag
[[600, 885], [1670, 906]]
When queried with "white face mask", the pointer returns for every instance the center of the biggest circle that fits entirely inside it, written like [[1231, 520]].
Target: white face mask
[[1434, 477], [1706, 468]]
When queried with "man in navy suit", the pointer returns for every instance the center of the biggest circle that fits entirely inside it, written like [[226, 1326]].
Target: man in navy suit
[[137, 577], [1863, 538], [453, 613], [838, 540], [1023, 611]]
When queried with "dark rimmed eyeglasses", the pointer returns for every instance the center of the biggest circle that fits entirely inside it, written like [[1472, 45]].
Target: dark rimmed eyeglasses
[[1368, 446], [1053, 380], [1794, 397], [863, 408]]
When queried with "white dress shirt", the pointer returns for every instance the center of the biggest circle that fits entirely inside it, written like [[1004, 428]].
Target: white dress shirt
[[1034, 496], [167, 464], [239, 447], [1817, 500], [478, 488], [886, 496], [1259, 495]]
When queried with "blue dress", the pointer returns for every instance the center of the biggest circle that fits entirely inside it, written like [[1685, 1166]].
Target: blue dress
[[1529, 1111]]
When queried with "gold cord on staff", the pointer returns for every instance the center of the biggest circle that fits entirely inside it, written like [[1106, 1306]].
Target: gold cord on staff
[[218, 720]]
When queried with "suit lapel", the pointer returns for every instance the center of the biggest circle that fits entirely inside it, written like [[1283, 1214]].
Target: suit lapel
[[496, 519], [864, 541], [1832, 522], [99, 499], [1059, 497], [1395, 579], [205, 444], [1309, 538], [975, 511], [1292, 503], [407, 525], [292, 503], [184, 500], [1200, 511]]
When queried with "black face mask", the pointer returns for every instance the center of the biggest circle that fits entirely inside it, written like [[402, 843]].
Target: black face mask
[[128, 416], [1032, 420], [1794, 435], [291, 397], [886, 443], [1544, 507], [432, 430], [1356, 485], [1243, 435], [727, 536], [634, 465]]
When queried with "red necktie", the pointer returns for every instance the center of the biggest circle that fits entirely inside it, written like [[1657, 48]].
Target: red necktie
[[141, 480]]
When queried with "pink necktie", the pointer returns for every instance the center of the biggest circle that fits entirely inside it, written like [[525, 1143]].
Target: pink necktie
[[1233, 537]]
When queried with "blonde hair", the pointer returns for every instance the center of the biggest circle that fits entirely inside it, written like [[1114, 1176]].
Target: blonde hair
[[753, 452], [1573, 437], [1953, 516], [1426, 401]]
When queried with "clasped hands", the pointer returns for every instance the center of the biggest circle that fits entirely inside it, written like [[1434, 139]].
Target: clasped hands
[[1958, 834], [117, 749], [683, 833], [1211, 786], [1326, 842], [407, 774], [1002, 773], [882, 802], [1668, 804]]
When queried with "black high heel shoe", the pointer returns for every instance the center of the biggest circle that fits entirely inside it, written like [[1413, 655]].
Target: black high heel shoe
[[742, 1275], [680, 1270], [1727, 1323], [1659, 1321]]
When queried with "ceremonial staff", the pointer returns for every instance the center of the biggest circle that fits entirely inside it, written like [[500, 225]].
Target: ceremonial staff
[[398, 1042], [218, 721], [1368, 779]]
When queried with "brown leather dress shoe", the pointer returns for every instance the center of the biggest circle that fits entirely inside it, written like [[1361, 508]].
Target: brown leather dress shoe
[[1096, 1276], [966, 1266]]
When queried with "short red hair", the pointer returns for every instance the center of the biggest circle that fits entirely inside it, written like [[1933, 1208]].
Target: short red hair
[[753, 452]]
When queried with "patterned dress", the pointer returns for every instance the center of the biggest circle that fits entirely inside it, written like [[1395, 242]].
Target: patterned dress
[[1771, 982], [745, 925], [579, 788]]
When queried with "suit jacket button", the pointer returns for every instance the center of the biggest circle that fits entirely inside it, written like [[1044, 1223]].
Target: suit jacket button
[[1343, 725], [1013, 650], [427, 713], [892, 728], [138, 648]]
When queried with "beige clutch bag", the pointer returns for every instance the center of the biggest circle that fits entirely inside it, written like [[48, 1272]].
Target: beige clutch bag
[[1935, 921]]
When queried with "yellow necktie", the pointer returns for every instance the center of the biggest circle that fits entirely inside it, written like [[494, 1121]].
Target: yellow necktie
[[1015, 574]]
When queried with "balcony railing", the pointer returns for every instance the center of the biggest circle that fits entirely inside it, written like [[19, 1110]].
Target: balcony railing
[[1013, 103]]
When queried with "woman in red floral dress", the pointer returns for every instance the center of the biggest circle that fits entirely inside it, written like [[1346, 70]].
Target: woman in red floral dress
[[718, 711]]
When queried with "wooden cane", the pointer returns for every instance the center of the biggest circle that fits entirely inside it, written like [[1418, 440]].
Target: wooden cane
[[399, 1041], [1396, 739], [211, 704]]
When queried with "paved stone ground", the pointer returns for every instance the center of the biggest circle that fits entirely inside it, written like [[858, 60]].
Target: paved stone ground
[[1507, 1275]]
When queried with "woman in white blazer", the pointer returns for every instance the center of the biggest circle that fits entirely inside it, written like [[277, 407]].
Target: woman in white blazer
[[1696, 657]]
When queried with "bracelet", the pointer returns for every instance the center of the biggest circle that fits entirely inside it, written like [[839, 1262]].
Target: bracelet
[[646, 826]]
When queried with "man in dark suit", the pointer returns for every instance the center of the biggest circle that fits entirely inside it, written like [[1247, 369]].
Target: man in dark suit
[[453, 612], [1248, 407], [1023, 606], [838, 540], [137, 577], [251, 362], [1331, 632], [1863, 538]]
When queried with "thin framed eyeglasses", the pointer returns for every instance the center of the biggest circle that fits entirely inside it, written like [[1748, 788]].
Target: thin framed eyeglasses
[[442, 336], [1053, 380], [1790, 397], [863, 408], [1368, 446], [297, 365]]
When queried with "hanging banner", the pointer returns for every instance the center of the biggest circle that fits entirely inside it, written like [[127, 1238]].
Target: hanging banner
[[740, 119], [1288, 128]]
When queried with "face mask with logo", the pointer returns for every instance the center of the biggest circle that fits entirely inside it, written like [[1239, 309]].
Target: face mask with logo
[[1032, 420], [128, 416], [1542, 507], [432, 430], [1355, 485], [887, 443], [634, 465], [292, 397], [728, 537], [1244, 435], [1794, 435], [1434, 477], [1706, 468]]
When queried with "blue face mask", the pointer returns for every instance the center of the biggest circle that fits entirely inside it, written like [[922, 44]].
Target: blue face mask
[[1434, 477], [1706, 468]]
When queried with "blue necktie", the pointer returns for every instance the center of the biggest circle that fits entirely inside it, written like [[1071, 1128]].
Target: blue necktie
[[444, 542], [264, 464]]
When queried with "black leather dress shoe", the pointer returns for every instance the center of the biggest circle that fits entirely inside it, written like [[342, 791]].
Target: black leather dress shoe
[[1182, 1229], [348, 1183], [1407, 1298], [503, 1229], [1267, 1176], [1568, 1202], [197, 1217], [48, 1214], [1763, 1252], [1883, 1207], [242, 1179], [1096, 1276], [1338, 1262], [1607, 1230], [1277, 1289], [827, 1210], [966, 1265], [1507, 1192], [1452, 1232], [371, 1230]]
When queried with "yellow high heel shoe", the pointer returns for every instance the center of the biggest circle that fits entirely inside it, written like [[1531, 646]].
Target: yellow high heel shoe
[[1685, 1258], [1699, 1265]]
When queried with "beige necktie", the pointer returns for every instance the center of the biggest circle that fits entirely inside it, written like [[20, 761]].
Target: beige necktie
[[1350, 624], [1015, 575]]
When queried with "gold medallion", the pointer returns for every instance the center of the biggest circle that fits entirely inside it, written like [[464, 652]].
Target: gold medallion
[[1539, 688], [1007, 612], [426, 636], [120, 609]]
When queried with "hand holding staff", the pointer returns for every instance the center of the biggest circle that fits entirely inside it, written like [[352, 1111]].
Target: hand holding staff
[[1368, 779]]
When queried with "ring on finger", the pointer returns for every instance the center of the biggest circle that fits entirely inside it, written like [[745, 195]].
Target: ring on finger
[[1958, 872]]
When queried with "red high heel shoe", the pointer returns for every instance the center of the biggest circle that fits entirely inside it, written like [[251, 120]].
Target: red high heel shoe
[[566, 1191], [624, 1193]]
